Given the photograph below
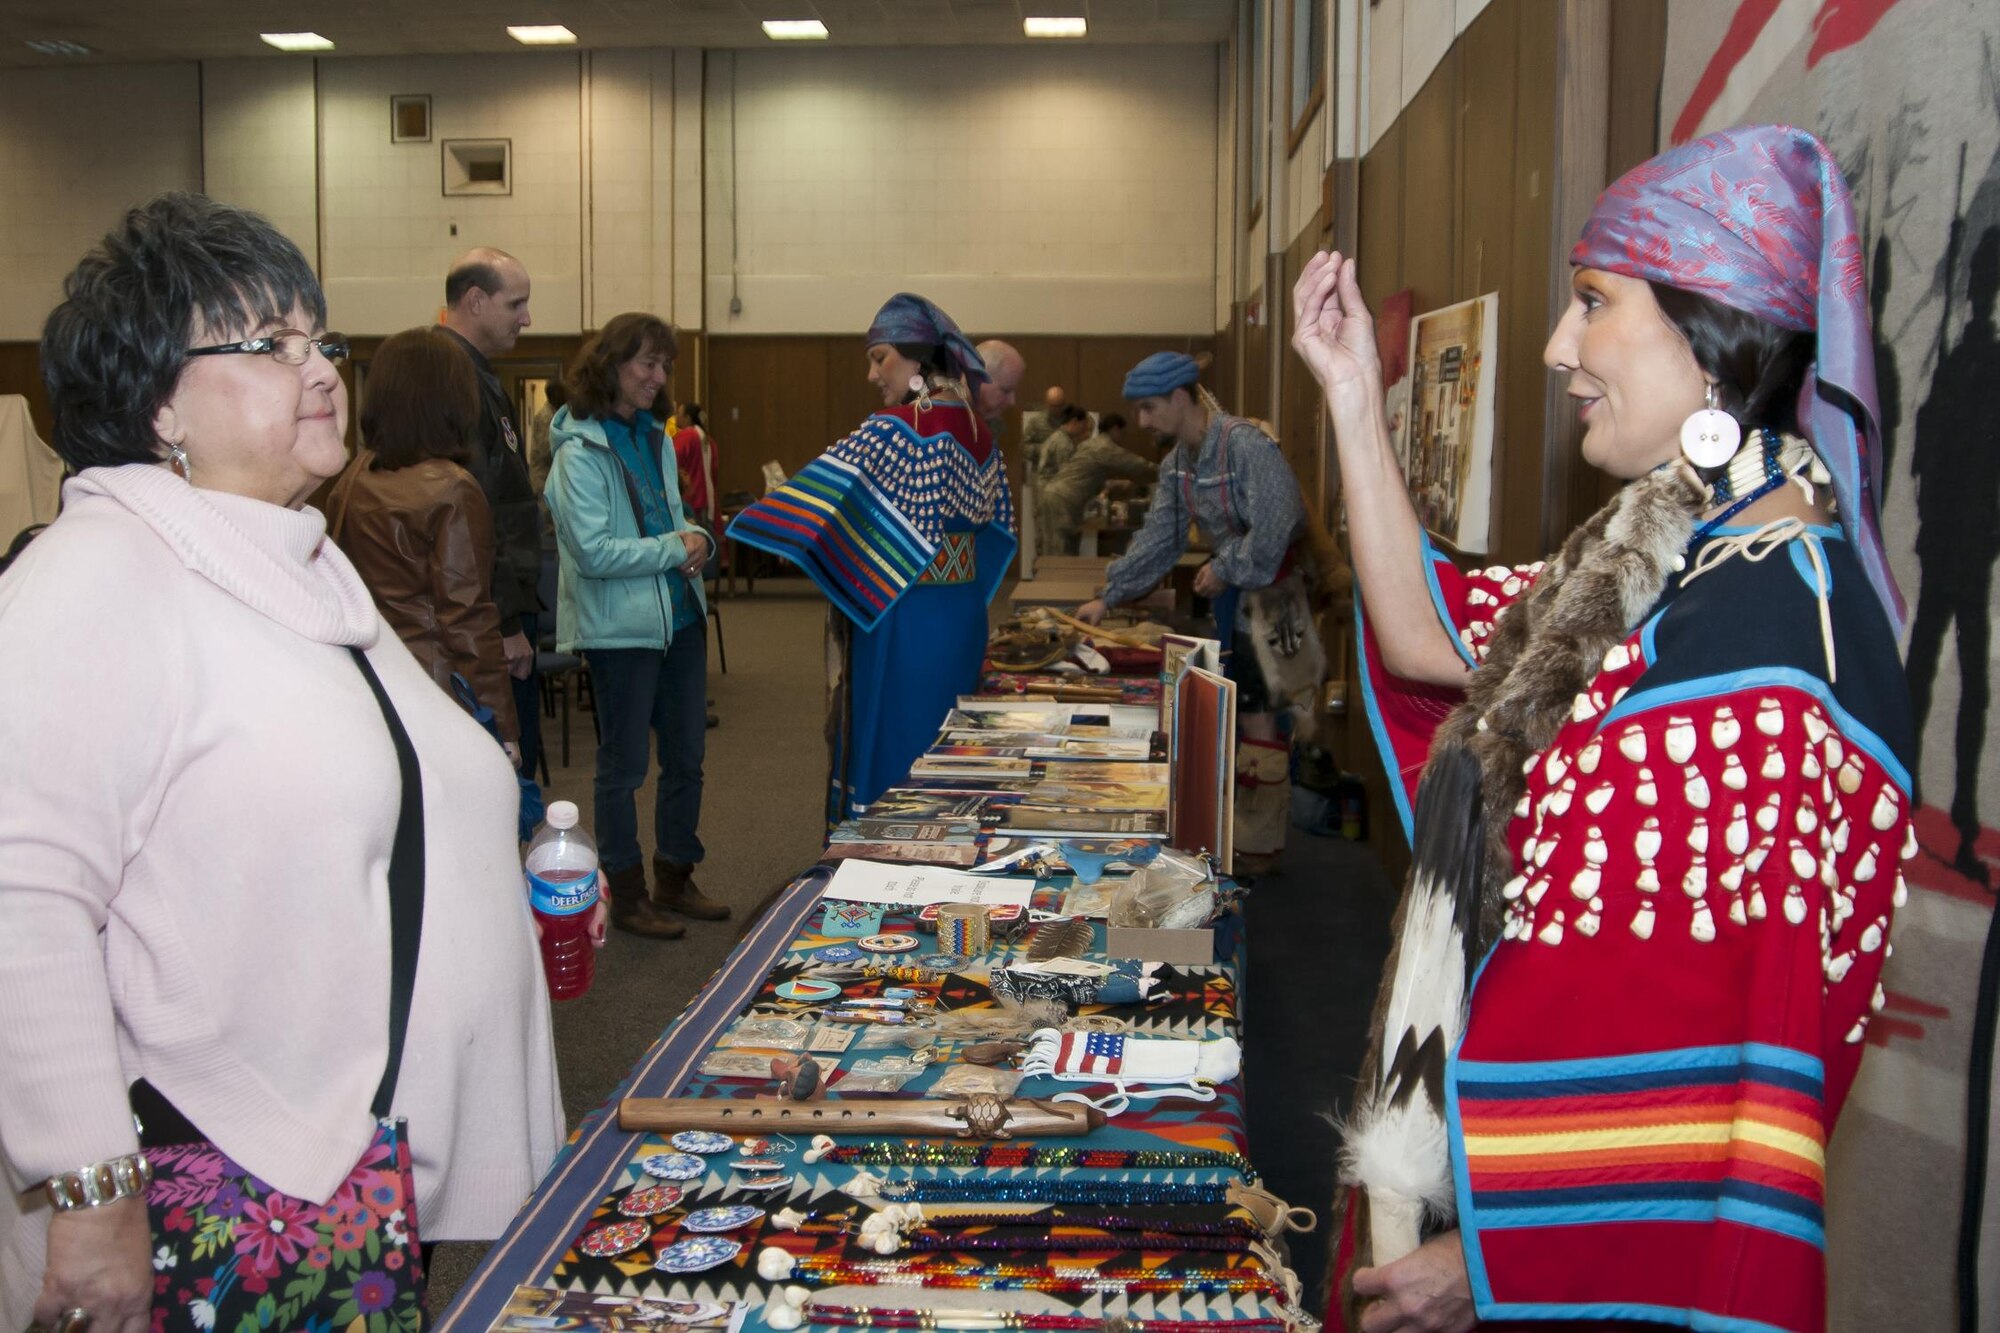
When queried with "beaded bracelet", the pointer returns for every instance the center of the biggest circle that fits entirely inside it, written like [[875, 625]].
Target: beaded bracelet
[[1116, 1193], [1015, 1154], [1050, 1217], [863, 1316]]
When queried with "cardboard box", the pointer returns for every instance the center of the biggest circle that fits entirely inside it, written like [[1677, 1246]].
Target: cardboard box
[[1192, 948]]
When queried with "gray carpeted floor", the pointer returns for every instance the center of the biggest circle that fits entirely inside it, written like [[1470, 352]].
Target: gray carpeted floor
[[761, 824]]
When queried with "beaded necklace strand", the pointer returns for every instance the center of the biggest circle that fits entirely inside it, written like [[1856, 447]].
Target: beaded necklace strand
[[862, 1316], [1016, 1154], [1115, 1193], [830, 1270]]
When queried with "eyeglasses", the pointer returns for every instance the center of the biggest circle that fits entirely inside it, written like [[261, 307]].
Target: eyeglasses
[[288, 347]]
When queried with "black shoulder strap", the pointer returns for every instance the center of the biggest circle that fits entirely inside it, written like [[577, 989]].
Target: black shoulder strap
[[406, 889]]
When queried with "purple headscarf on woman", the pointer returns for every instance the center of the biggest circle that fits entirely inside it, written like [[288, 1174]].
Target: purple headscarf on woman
[[1759, 219], [909, 318]]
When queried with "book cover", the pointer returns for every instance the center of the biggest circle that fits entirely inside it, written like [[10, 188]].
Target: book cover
[[872, 829], [1052, 821], [960, 765], [962, 855]]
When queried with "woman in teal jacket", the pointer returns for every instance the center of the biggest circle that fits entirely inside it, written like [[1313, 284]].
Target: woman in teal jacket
[[630, 600]]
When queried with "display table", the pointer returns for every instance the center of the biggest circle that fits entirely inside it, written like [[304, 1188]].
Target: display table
[[1152, 1216]]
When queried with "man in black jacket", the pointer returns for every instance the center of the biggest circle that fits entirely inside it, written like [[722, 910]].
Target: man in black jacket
[[486, 307]]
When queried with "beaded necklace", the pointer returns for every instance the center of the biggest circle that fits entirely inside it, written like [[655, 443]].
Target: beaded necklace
[[1017, 1154], [1116, 1193], [835, 1271], [863, 1316]]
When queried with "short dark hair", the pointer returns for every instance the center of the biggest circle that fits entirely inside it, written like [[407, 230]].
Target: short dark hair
[[930, 357], [422, 400], [178, 266], [1067, 413], [1110, 421], [592, 378], [1759, 367], [691, 415], [480, 273]]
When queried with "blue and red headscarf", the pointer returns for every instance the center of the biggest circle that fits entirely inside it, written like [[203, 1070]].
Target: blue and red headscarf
[[1759, 219], [911, 319]]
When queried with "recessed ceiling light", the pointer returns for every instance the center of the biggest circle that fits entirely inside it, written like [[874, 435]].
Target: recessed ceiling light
[[296, 41], [58, 47], [1045, 26], [795, 30], [545, 34]]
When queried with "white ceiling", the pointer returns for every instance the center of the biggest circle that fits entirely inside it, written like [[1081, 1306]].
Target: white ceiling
[[134, 30]]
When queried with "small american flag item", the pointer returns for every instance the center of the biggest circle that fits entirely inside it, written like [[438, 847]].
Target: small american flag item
[[1090, 1053]]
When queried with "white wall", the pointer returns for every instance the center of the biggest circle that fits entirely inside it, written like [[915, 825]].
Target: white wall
[[1036, 190], [1404, 41], [386, 220], [77, 148], [257, 123]]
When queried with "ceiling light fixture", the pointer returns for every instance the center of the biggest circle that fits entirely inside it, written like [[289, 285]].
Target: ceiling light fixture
[[1047, 26], [795, 30], [58, 47], [296, 41], [545, 34]]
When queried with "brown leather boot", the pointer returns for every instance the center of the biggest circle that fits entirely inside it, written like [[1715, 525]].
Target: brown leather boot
[[674, 890], [632, 910]]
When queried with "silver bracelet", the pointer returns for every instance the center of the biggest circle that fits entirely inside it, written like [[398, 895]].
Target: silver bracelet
[[99, 1183]]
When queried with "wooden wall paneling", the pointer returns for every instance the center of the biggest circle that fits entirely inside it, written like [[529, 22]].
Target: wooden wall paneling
[[1227, 387], [1301, 405], [1430, 179], [1638, 64], [1253, 396], [850, 398], [1379, 244], [769, 402], [1528, 316]]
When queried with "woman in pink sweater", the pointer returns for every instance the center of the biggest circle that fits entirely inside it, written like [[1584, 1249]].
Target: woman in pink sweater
[[205, 788]]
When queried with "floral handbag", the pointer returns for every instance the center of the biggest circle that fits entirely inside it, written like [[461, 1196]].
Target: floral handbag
[[233, 1255]]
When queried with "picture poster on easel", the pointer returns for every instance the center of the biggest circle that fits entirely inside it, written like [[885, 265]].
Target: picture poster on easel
[[1446, 445], [1201, 795], [1178, 652]]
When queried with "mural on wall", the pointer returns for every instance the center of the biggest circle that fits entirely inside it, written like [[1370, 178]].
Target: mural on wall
[[1907, 94]]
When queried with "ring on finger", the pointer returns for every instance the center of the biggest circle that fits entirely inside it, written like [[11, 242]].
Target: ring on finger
[[74, 1321]]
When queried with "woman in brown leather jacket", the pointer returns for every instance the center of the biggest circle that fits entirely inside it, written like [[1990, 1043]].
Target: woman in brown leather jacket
[[415, 522]]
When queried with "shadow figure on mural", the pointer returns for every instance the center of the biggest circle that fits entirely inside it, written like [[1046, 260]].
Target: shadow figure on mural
[[1956, 464], [1888, 378]]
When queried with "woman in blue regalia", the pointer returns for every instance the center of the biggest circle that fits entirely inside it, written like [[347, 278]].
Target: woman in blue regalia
[[907, 525]]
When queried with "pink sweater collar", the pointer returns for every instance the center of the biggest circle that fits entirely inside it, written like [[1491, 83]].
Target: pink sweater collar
[[274, 560]]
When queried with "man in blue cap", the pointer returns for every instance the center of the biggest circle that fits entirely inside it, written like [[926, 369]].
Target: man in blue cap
[[1228, 476]]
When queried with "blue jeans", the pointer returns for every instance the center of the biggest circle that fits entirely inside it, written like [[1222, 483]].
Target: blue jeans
[[640, 690]]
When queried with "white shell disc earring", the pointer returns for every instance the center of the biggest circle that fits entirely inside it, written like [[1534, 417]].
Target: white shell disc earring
[[1710, 437]]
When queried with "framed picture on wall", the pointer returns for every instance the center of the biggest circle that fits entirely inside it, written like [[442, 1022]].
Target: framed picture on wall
[[1448, 428], [410, 118], [1306, 42]]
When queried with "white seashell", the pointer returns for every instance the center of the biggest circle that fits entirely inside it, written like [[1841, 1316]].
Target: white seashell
[[1736, 912], [1857, 1032], [781, 1317], [1806, 820], [1850, 775], [1871, 936], [1756, 904], [1528, 848], [1558, 800], [1834, 750], [1901, 896], [1552, 933], [1465, 636], [1511, 587], [1843, 908], [1582, 710], [1521, 807], [1696, 788], [1618, 658], [1774, 764], [1737, 837], [1698, 835], [888, 1243], [1543, 851], [1725, 731], [1816, 728], [1795, 906], [1864, 869], [1478, 597], [1646, 793], [1809, 768], [1909, 841], [1695, 882], [1878, 999], [1594, 851], [1599, 798], [774, 1264], [1528, 765], [1680, 739], [1588, 923], [1647, 844], [1512, 888], [1733, 776], [1884, 814], [1632, 744], [1649, 880], [1554, 768], [1770, 717], [1757, 856], [1586, 760], [1838, 967], [1840, 836], [1620, 693], [1535, 892], [1702, 927], [1585, 883], [1767, 814], [1803, 864], [1512, 928], [1642, 921]]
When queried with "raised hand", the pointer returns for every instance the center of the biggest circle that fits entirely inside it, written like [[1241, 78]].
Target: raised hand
[[1332, 331]]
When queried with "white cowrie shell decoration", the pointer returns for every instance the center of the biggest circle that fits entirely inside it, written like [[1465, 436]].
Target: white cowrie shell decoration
[[1731, 877], [1632, 744], [1582, 710], [1521, 807], [1858, 1031], [1696, 788], [1871, 936], [1837, 968], [1702, 926], [1642, 921], [1646, 793], [1695, 882], [1680, 739], [1647, 844], [1725, 730], [1767, 814], [1909, 841], [1816, 728], [1850, 775], [1884, 814], [1737, 914], [1757, 908], [1864, 869], [1587, 924], [1618, 658], [1552, 933], [1594, 850], [1803, 864], [1774, 764], [1737, 837], [1554, 768], [1809, 768], [1835, 751], [1770, 717], [1543, 851], [1512, 888], [1806, 820], [1649, 880], [1599, 797], [1698, 835], [1758, 855], [1901, 896], [1733, 776], [1795, 906], [1535, 892], [1585, 883], [1558, 801], [1586, 760]]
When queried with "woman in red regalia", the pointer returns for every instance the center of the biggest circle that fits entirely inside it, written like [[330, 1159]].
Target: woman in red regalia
[[1694, 744]]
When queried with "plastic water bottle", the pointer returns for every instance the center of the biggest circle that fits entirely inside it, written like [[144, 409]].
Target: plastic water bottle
[[562, 886]]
